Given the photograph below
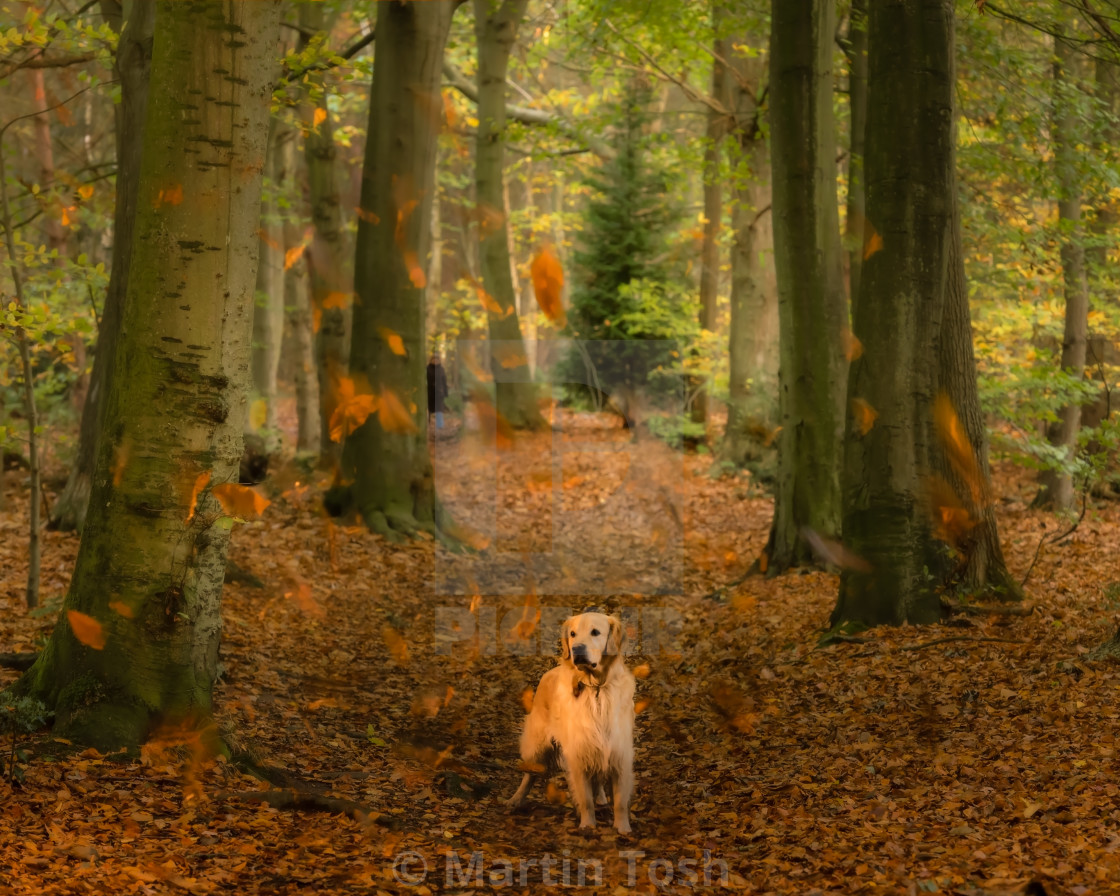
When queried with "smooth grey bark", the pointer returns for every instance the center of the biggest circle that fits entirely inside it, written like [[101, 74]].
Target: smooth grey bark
[[887, 523], [496, 23], [131, 66], [715, 130], [752, 338], [387, 458], [1056, 487], [812, 305], [329, 263], [148, 579], [857, 107], [268, 307]]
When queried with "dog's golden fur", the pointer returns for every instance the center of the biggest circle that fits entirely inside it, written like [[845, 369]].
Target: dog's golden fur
[[582, 720]]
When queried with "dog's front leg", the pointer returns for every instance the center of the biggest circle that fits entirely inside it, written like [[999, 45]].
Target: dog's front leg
[[622, 783], [582, 794]]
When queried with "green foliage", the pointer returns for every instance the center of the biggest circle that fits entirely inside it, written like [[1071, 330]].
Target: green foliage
[[629, 288]]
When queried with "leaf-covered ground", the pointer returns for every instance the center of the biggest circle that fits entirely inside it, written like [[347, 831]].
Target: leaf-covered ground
[[973, 758]]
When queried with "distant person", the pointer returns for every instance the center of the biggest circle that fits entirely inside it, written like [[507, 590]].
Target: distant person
[[437, 389]]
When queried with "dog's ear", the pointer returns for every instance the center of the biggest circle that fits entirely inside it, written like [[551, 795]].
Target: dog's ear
[[565, 647], [616, 637]]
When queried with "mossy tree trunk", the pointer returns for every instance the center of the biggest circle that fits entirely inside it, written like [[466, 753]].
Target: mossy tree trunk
[[132, 63], [149, 570], [857, 105], [496, 23], [812, 306], [1056, 487], [387, 459], [889, 447], [328, 265]]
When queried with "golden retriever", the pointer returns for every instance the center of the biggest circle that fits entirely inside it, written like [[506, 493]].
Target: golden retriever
[[582, 720]]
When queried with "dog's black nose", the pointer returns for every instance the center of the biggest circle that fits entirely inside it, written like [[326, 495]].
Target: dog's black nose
[[579, 655]]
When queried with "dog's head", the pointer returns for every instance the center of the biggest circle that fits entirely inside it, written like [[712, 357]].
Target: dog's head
[[591, 641]]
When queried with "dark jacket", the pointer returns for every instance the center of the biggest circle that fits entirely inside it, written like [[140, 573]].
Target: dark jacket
[[437, 388]]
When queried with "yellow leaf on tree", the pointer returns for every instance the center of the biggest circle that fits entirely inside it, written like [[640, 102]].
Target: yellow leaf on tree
[[86, 629], [240, 500]]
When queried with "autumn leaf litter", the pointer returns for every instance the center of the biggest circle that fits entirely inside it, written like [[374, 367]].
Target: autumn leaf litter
[[901, 761]]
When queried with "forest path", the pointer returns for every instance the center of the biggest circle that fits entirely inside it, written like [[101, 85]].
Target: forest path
[[891, 766]]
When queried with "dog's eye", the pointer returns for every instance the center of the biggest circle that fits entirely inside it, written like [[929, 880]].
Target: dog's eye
[[573, 632], [594, 633]]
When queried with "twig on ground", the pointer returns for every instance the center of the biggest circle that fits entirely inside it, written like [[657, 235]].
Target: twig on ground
[[946, 640]]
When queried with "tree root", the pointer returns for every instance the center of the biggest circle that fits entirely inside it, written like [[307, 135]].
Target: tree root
[[302, 800], [20, 661], [987, 609]]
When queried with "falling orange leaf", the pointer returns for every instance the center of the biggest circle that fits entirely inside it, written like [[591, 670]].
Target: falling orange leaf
[[265, 237], [339, 300], [398, 646], [872, 245], [319, 116], [355, 404], [530, 618], [393, 415], [122, 609], [641, 672], [491, 423], [641, 705], [954, 440], [66, 220], [196, 490], [865, 415], [120, 460], [293, 255], [951, 520], [509, 358], [393, 340], [833, 552], [86, 629], [85, 191], [548, 285], [240, 500], [172, 195], [449, 114], [853, 348], [415, 273], [527, 699]]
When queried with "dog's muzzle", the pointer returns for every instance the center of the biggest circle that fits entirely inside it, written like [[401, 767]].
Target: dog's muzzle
[[579, 658]]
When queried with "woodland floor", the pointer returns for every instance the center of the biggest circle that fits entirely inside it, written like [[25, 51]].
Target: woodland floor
[[978, 758]]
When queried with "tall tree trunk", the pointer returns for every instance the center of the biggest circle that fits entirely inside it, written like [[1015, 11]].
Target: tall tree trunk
[[811, 301], [753, 328], [1056, 486], [268, 309], [715, 130], [298, 320], [387, 458], [496, 23], [137, 644], [894, 563], [44, 152], [857, 105], [132, 64], [328, 263]]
